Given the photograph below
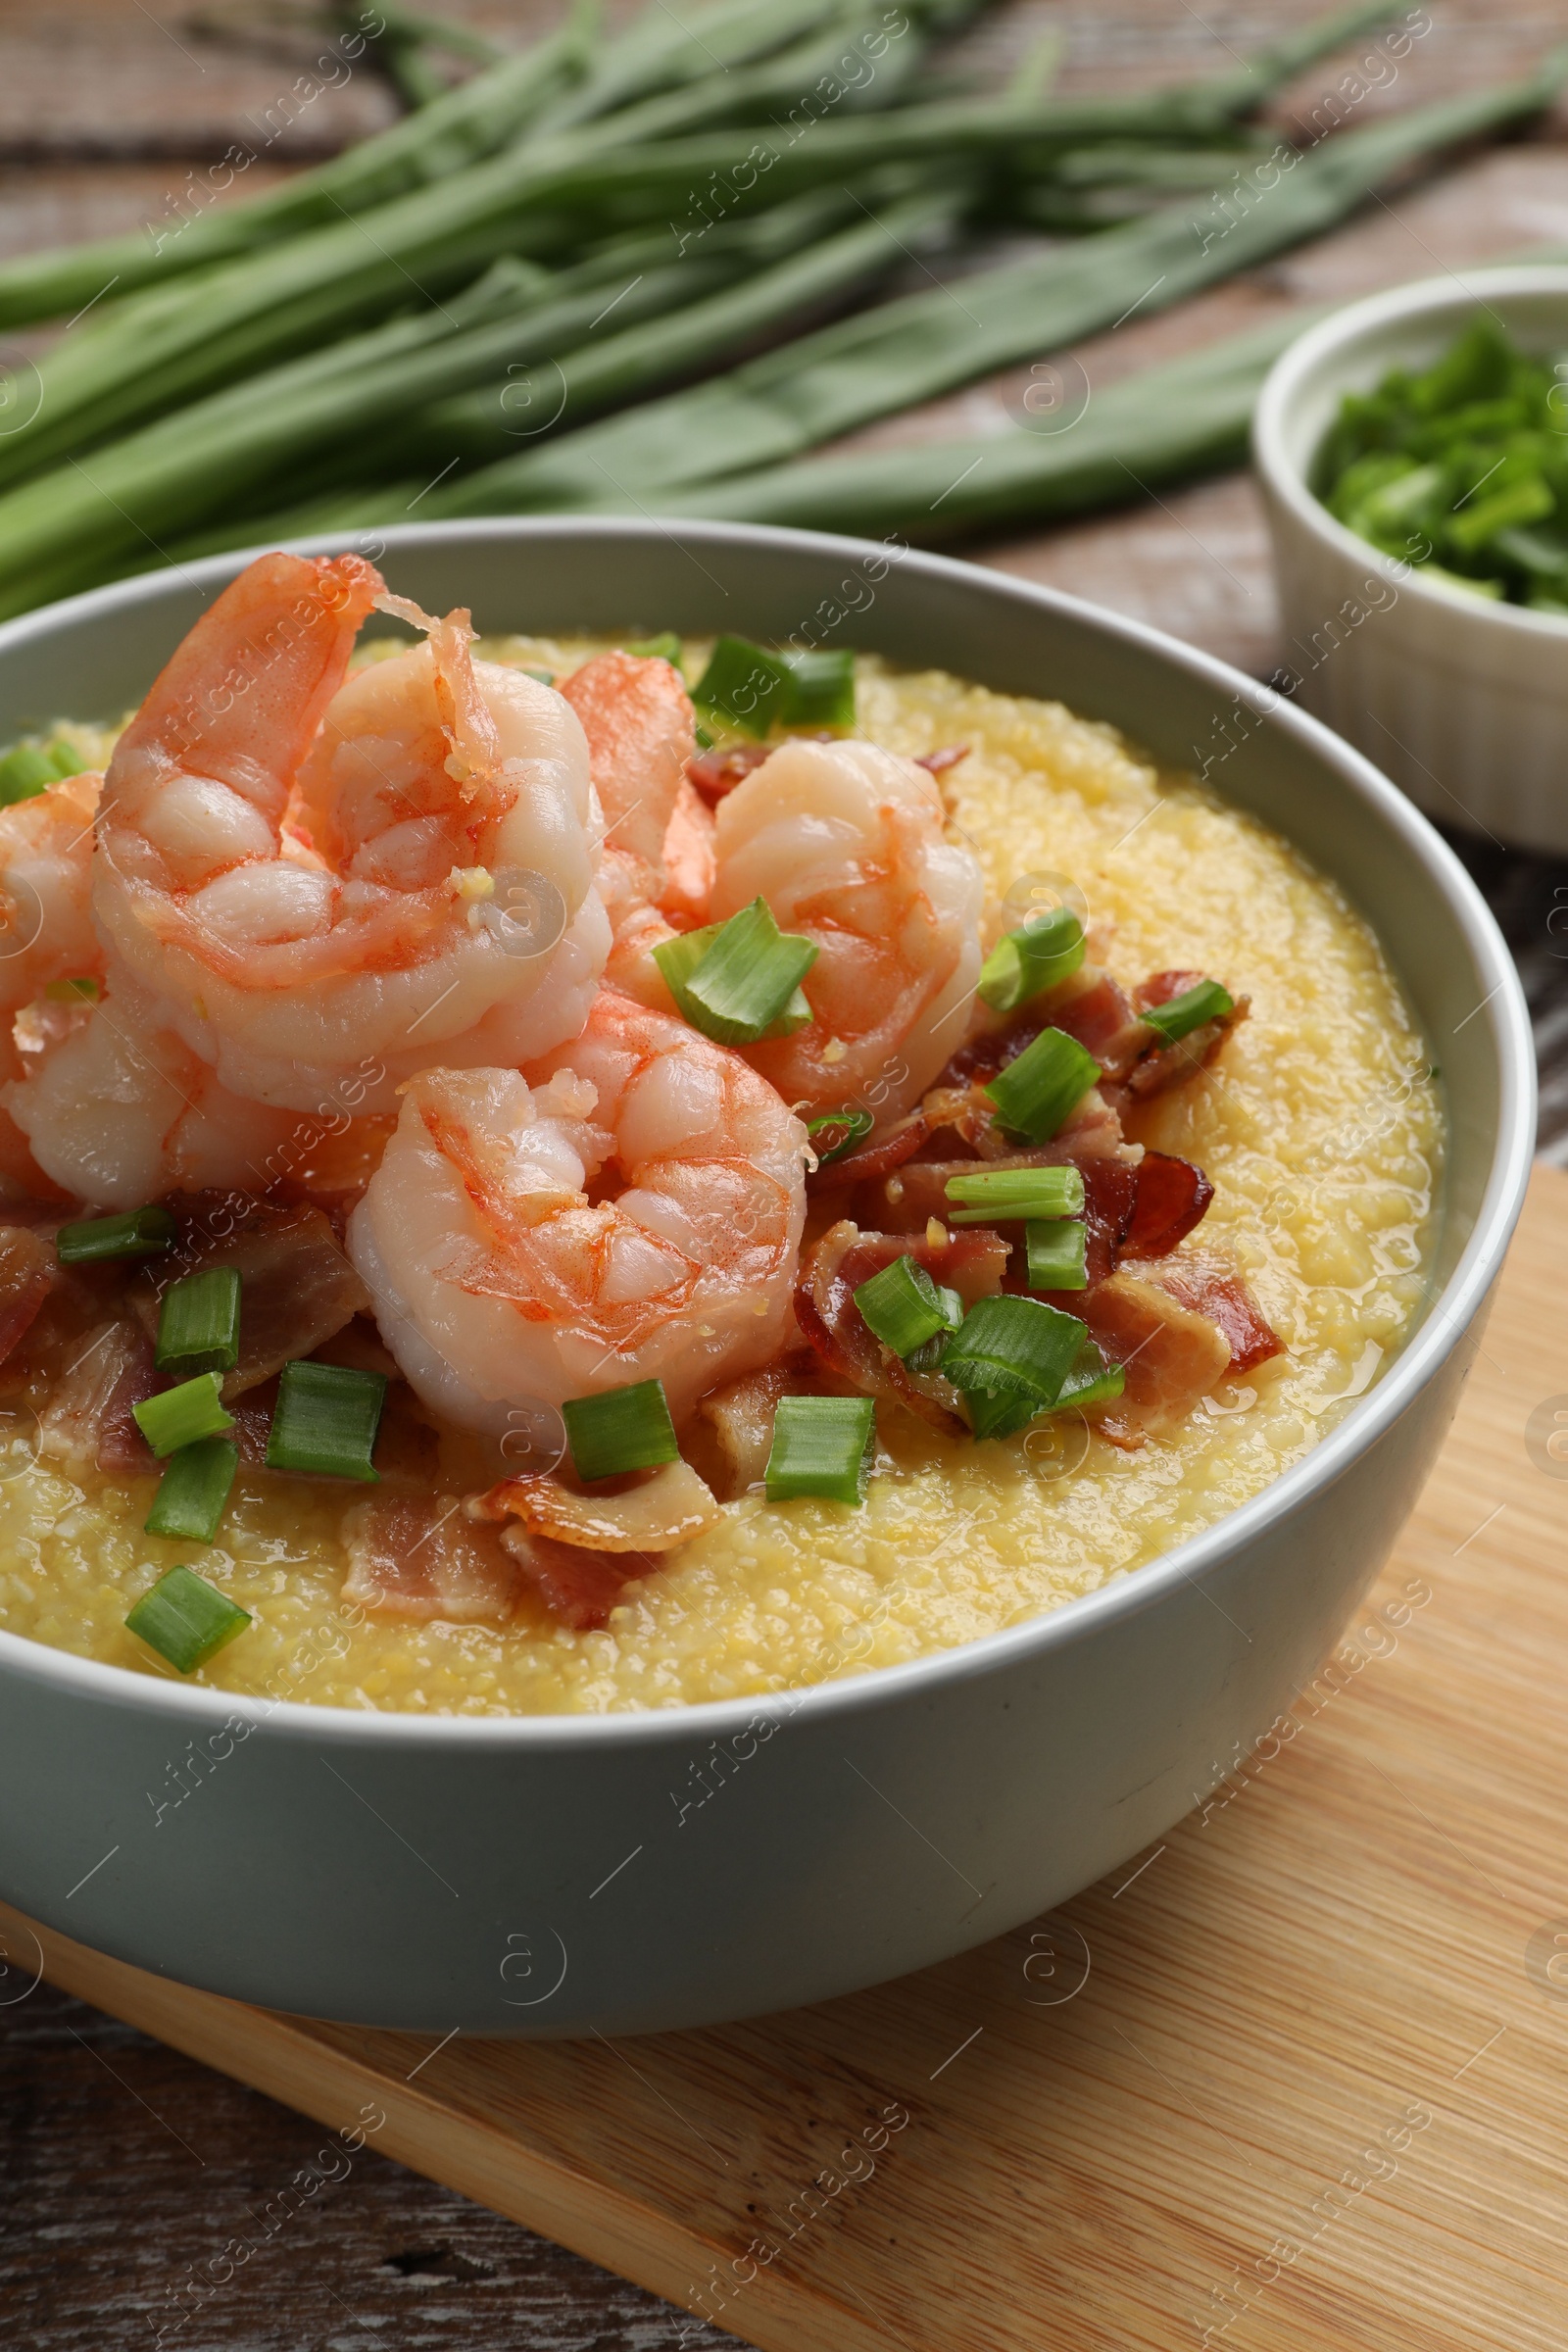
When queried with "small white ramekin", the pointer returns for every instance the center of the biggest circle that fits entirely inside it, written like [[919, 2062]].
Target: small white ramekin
[[1464, 701]]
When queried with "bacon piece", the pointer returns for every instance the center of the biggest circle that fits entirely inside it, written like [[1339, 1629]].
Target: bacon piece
[[937, 764], [89, 1420], [877, 1158], [1171, 1355], [971, 1262], [690, 859], [298, 1289], [418, 1557], [1171, 1197], [1159, 1066], [1091, 1006], [651, 1512], [713, 774], [579, 1588], [27, 1269], [741, 1417], [1219, 1292]]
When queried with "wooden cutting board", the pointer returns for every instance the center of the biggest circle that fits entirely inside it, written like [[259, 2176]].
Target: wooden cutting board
[[1295, 2081]]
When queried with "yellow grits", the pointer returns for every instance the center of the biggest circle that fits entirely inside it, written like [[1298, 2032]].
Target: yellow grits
[[1319, 1127]]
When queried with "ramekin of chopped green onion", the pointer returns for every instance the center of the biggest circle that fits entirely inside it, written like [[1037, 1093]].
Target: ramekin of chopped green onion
[[1413, 454]]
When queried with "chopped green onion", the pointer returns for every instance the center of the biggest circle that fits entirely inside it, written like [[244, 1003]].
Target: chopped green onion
[[1036, 1091], [1092, 1380], [185, 1619], [140, 1233], [664, 648], [198, 1324], [1000, 1415], [620, 1428], [821, 690], [325, 1420], [927, 1357], [1015, 1348], [746, 684], [1056, 1247], [28, 768], [1036, 956], [735, 981], [857, 1126], [819, 1447], [1182, 1014], [902, 1306], [71, 991], [194, 1489], [994, 1193], [177, 1417]]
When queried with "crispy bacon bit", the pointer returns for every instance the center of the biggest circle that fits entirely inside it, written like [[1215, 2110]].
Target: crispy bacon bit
[[579, 1588], [1090, 1007], [971, 1262], [1171, 1355], [1172, 1196], [716, 773], [420, 1558], [1218, 1291], [1168, 1066], [937, 764], [648, 1512], [28, 1270], [298, 1288], [877, 1158], [89, 1420]]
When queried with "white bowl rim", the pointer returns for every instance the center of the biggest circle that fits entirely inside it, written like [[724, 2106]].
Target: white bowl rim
[[1341, 331], [1126, 1595]]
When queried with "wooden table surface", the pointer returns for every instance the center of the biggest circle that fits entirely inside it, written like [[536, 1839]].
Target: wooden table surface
[[120, 2161]]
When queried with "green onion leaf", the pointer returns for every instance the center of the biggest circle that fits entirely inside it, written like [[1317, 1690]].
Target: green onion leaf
[[1039, 1089], [1182, 1014], [1000, 1415], [746, 684], [28, 769], [736, 981], [177, 1417], [927, 1357], [1056, 1249], [185, 1619], [620, 1429], [996, 1193], [73, 991], [819, 1447], [325, 1421], [1092, 1381], [198, 1324], [855, 1124], [902, 1306], [1036, 956], [663, 648], [821, 690], [1015, 1348], [193, 1491], [140, 1233]]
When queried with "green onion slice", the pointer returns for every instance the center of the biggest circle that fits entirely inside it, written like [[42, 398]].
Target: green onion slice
[[665, 647], [1055, 1248], [902, 1305], [185, 1619], [856, 1125], [821, 690], [1014, 1347], [140, 1233], [740, 980], [83, 990], [198, 1324], [993, 1193], [1092, 1380], [177, 1417], [1182, 1014], [325, 1420], [819, 1447], [1036, 956], [193, 1491], [28, 768], [620, 1428], [746, 684], [1048, 1080]]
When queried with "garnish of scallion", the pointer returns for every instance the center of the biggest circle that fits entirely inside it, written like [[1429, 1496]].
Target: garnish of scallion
[[852, 1127], [665, 647], [1012, 1348], [819, 1447], [620, 1429], [1038, 1090], [990, 1193], [325, 1421], [140, 1233], [1180, 1016], [1092, 1380], [746, 684], [904, 1307], [1056, 1248], [821, 690], [740, 980], [29, 768], [1024, 963], [177, 1417], [198, 1323], [194, 1491], [185, 1619]]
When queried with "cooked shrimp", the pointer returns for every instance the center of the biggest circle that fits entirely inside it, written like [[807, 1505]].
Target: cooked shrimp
[[845, 842], [313, 875], [118, 1110], [46, 931], [630, 1210]]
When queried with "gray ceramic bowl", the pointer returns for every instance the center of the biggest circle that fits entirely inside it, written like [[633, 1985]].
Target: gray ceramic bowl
[[538, 1876]]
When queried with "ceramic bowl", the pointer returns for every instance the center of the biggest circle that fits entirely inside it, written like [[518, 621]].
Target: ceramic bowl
[[1462, 700], [541, 1876]]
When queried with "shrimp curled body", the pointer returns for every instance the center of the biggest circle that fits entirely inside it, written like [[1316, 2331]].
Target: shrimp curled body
[[630, 1211]]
